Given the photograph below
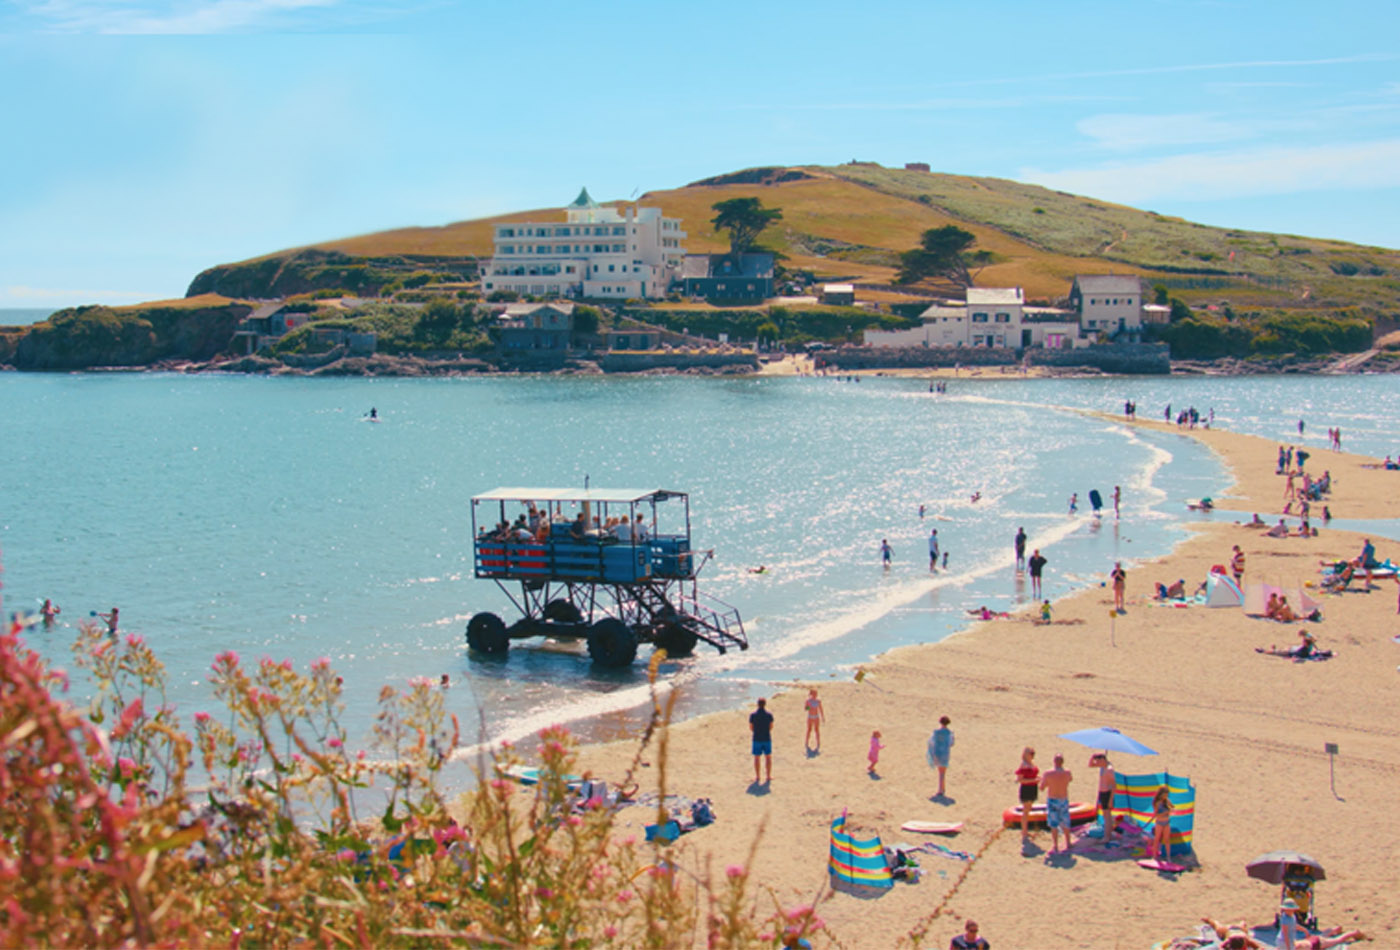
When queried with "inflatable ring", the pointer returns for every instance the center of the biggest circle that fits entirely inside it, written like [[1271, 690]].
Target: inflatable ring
[[1079, 813]]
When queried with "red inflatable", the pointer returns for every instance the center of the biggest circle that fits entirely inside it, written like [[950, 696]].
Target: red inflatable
[[1079, 813]]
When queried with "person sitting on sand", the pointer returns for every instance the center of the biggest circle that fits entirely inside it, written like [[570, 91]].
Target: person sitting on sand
[[1339, 580], [1271, 608], [1258, 521], [1285, 612], [1293, 936], [1279, 530]]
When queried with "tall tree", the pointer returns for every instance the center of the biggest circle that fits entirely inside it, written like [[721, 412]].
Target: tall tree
[[744, 219], [943, 252]]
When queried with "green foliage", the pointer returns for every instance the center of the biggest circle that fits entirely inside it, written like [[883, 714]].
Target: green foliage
[[1159, 294], [792, 325], [1274, 333], [744, 219], [586, 319], [1180, 311], [400, 329], [943, 253], [101, 336]]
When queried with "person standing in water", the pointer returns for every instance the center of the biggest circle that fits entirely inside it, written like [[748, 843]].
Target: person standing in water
[[1117, 498], [49, 611], [1020, 548], [886, 552], [111, 621], [1037, 566], [933, 549]]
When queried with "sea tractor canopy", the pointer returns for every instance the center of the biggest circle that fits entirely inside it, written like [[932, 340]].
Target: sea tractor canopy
[[610, 536]]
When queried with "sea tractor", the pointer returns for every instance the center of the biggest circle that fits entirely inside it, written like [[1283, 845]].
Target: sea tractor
[[614, 567]]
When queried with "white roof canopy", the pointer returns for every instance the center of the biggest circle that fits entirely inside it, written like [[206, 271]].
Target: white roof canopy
[[614, 495]]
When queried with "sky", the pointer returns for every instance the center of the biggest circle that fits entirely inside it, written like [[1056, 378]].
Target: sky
[[145, 140]]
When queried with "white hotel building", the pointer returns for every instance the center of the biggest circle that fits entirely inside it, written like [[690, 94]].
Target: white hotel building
[[596, 252]]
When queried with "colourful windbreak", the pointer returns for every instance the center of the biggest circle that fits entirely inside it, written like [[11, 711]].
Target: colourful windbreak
[[858, 861], [1132, 796]]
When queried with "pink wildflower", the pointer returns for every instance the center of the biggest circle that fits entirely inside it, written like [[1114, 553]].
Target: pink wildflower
[[135, 640], [126, 767], [624, 895], [734, 870], [321, 663], [201, 717], [609, 931], [334, 742]]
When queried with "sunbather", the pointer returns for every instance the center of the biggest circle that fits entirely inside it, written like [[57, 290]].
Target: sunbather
[[1176, 591], [1307, 649], [1233, 936], [1279, 530]]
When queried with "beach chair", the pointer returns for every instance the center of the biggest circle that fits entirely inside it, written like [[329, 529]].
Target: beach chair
[[1298, 886], [857, 860]]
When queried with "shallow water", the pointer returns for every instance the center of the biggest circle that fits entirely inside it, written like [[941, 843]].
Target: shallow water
[[267, 516]]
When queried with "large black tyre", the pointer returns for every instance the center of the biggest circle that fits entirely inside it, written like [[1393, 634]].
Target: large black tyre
[[676, 640], [612, 643], [562, 611], [486, 634]]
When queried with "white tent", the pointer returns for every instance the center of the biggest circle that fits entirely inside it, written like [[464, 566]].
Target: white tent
[[1221, 591]]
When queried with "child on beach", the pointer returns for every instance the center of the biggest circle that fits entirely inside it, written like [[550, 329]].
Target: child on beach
[[875, 747], [1028, 780], [815, 717], [1045, 613], [1162, 824]]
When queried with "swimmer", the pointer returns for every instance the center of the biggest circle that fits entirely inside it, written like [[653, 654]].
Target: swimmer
[[976, 497], [49, 611], [445, 682], [761, 569], [111, 621]]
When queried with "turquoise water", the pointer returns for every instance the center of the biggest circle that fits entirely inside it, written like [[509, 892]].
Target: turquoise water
[[263, 514]]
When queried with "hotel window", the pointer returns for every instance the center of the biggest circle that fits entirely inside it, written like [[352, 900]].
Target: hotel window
[[979, 318], [1003, 318]]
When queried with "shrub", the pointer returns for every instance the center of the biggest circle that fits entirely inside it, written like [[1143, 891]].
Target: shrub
[[101, 844]]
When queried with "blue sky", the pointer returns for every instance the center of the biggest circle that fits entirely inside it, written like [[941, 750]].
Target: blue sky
[[148, 139]]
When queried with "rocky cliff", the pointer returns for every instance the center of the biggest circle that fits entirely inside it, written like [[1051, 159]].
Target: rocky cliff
[[87, 337]]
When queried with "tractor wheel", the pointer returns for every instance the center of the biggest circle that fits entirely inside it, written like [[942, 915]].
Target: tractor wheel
[[562, 611], [612, 643], [677, 640], [486, 634]]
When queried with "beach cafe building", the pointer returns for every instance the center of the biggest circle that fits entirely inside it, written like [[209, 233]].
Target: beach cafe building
[[991, 317]]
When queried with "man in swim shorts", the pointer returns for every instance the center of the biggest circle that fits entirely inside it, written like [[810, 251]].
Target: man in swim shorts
[[886, 552], [761, 725], [933, 549], [1107, 779], [1056, 784], [1020, 548], [1037, 566]]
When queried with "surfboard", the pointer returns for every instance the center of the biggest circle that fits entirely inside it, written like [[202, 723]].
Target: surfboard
[[933, 827], [1152, 864]]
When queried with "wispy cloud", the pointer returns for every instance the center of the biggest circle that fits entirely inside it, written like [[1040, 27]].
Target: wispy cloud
[[943, 104], [169, 17], [1183, 68], [21, 294], [1131, 132], [1234, 174]]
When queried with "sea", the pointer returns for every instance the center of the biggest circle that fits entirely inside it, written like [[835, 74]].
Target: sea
[[269, 516], [24, 316]]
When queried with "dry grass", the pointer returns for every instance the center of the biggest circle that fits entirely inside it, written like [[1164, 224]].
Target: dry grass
[[181, 303]]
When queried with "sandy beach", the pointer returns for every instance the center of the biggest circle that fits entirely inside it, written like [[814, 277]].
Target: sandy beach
[[1247, 729]]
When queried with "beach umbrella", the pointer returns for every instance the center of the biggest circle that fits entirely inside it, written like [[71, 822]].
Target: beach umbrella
[[1108, 739], [1272, 867]]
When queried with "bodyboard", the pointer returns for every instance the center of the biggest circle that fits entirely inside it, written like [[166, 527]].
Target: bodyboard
[[933, 827]]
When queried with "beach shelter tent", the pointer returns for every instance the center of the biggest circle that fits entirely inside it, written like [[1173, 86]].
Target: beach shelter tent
[[1132, 796], [1222, 591], [1256, 599], [857, 861]]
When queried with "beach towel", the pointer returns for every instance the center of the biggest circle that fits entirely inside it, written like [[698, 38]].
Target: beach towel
[[1132, 796], [857, 861]]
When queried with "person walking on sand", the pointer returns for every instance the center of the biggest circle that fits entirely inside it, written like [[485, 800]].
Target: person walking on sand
[[1021, 548], [969, 939], [933, 549], [874, 756], [940, 748], [1117, 499], [1120, 586], [1056, 785], [1237, 563], [1161, 825], [1037, 567], [886, 552], [1107, 779], [761, 727], [1028, 783], [816, 715]]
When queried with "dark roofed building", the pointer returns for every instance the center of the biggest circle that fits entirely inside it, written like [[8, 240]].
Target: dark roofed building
[[536, 326], [720, 277]]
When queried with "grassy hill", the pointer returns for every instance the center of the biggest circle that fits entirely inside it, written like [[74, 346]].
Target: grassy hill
[[853, 220]]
